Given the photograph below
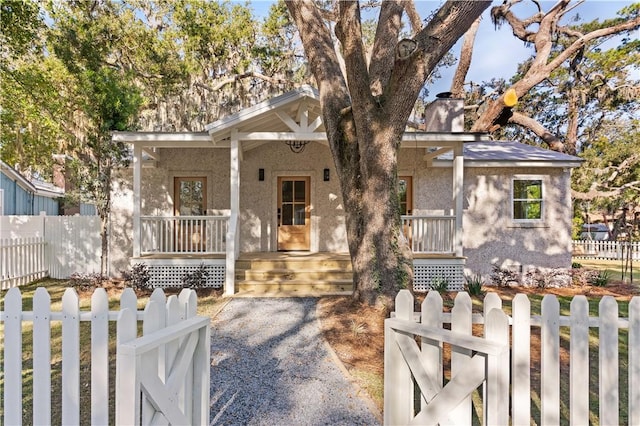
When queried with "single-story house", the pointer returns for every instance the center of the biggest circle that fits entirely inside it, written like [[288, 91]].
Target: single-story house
[[262, 182]]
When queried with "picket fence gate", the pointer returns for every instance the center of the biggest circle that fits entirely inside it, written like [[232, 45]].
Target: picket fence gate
[[501, 361], [161, 377]]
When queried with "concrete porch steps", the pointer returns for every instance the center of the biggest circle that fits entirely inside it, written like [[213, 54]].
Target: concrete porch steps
[[293, 273]]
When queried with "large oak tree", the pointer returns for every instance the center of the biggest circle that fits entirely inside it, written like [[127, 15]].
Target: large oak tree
[[365, 112]]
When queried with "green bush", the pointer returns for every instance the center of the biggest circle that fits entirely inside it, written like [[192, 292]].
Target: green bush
[[473, 285], [440, 284], [196, 278], [601, 279], [139, 276]]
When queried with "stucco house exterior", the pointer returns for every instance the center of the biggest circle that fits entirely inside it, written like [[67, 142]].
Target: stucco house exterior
[[263, 181]]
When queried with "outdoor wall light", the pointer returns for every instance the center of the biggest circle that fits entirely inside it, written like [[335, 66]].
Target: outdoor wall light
[[261, 175], [326, 175]]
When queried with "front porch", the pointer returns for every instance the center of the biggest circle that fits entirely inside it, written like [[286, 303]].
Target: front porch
[[173, 247], [263, 181]]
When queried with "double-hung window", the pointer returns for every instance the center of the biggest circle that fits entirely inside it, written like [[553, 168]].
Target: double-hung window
[[528, 201]]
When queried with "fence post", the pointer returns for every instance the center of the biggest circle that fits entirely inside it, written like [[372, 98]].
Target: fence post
[[521, 360], [70, 358], [461, 323], [497, 383], [99, 357], [634, 361], [579, 361], [13, 357], [550, 361], [431, 314], [398, 386], [41, 357], [608, 357], [127, 384]]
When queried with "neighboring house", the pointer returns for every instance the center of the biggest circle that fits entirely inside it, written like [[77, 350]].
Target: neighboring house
[[263, 181], [20, 196]]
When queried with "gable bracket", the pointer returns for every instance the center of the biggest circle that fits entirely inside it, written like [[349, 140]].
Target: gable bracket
[[431, 155], [289, 122]]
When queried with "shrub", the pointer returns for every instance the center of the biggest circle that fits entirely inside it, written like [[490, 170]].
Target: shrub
[[473, 285], [576, 265], [440, 284], [547, 278], [196, 278], [601, 279], [503, 277], [86, 280], [138, 277]]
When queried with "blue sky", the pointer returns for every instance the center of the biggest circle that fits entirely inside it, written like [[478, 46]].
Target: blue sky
[[497, 52]]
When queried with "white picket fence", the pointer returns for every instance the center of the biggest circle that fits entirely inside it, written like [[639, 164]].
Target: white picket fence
[[608, 250], [162, 376], [54, 246], [22, 260], [507, 392]]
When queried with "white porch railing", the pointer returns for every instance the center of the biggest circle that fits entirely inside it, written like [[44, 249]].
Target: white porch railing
[[430, 234], [183, 234]]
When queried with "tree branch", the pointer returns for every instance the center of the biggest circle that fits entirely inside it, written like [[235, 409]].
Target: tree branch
[[349, 32], [387, 31], [434, 41], [413, 15], [232, 79], [466, 52], [554, 142], [323, 60]]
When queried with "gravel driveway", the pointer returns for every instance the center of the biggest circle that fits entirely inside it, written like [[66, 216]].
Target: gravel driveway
[[271, 366]]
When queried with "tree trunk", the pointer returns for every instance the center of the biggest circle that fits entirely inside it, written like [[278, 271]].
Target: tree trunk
[[365, 111], [380, 255]]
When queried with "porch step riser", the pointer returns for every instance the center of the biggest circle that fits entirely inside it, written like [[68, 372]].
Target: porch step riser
[[293, 275], [292, 287], [253, 275], [342, 265]]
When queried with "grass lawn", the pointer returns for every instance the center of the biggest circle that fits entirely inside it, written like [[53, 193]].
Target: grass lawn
[[209, 303]]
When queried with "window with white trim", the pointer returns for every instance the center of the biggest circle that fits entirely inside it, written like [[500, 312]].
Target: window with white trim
[[528, 201], [1, 202]]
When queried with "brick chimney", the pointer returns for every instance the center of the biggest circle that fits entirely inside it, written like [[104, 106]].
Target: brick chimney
[[62, 180]]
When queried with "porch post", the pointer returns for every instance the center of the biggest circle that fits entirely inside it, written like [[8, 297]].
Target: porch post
[[137, 179], [458, 193], [232, 236]]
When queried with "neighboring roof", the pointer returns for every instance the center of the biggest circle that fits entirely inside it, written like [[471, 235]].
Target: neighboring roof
[[34, 186], [509, 154]]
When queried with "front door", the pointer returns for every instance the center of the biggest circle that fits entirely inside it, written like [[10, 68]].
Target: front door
[[294, 224], [190, 195]]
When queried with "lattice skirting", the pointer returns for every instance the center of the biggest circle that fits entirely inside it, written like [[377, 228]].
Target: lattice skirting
[[426, 271], [165, 275]]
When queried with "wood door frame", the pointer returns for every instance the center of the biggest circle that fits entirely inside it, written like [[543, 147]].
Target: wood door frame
[[189, 240], [176, 188], [278, 206]]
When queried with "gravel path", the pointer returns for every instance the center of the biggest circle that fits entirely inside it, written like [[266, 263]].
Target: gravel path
[[271, 366]]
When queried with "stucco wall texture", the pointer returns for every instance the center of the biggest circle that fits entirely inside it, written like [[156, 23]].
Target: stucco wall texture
[[490, 236]]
